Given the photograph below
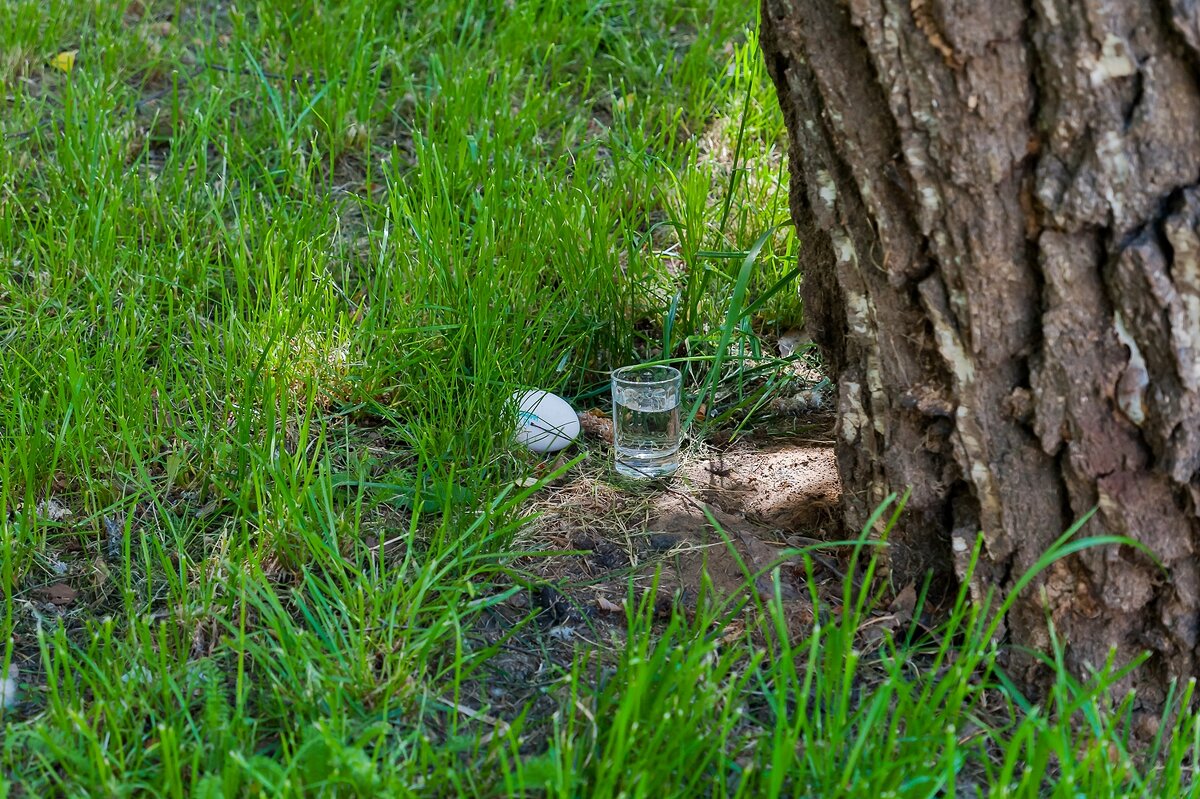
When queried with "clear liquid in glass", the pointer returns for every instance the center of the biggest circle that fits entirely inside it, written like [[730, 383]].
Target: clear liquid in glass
[[646, 424]]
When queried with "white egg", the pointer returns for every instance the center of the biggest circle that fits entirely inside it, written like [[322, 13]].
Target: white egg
[[546, 423]]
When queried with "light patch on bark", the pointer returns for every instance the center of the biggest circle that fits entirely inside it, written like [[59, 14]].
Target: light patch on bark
[[858, 313], [1110, 150], [1187, 341], [826, 190], [1048, 12], [860, 318], [915, 158], [1108, 504], [952, 350], [844, 248], [1185, 273], [1115, 61], [970, 437], [929, 199], [852, 413], [1131, 387], [875, 387], [962, 550]]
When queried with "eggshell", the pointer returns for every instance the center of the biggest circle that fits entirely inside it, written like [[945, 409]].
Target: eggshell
[[546, 423]]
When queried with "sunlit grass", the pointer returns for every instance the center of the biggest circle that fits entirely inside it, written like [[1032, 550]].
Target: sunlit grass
[[269, 275]]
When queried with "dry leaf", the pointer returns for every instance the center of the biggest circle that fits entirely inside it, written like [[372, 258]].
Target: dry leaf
[[59, 594], [899, 615], [790, 341], [733, 632], [904, 604], [607, 606], [64, 60], [53, 510], [356, 136]]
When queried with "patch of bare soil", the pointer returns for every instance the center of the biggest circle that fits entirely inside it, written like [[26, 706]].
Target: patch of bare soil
[[728, 523], [729, 520], [783, 485]]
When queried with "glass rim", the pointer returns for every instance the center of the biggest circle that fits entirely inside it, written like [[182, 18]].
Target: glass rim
[[621, 374]]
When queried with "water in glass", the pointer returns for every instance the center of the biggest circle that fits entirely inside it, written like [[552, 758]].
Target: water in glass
[[646, 427]]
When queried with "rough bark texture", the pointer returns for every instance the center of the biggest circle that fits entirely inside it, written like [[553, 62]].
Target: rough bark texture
[[1001, 220]]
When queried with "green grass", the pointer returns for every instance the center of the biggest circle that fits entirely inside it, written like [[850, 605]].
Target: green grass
[[269, 273]]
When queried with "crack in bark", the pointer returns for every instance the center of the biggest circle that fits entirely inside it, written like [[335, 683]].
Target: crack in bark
[[1131, 108]]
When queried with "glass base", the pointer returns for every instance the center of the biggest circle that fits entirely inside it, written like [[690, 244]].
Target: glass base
[[647, 468]]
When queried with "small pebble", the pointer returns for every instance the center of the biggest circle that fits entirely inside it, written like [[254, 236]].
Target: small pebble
[[661, 542]]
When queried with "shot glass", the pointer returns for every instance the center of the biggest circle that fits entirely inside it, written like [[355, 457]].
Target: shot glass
[[646, 425]]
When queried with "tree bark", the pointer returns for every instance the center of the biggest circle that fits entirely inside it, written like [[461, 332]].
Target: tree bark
[[1000, 213]]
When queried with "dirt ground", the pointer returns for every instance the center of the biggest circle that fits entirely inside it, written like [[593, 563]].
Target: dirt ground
[[765, 497], [602, 542]]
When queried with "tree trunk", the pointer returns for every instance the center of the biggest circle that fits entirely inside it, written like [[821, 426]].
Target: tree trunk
[[1001, 223]]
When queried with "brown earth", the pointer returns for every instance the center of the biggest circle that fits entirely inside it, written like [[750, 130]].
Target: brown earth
[[728, 519]]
